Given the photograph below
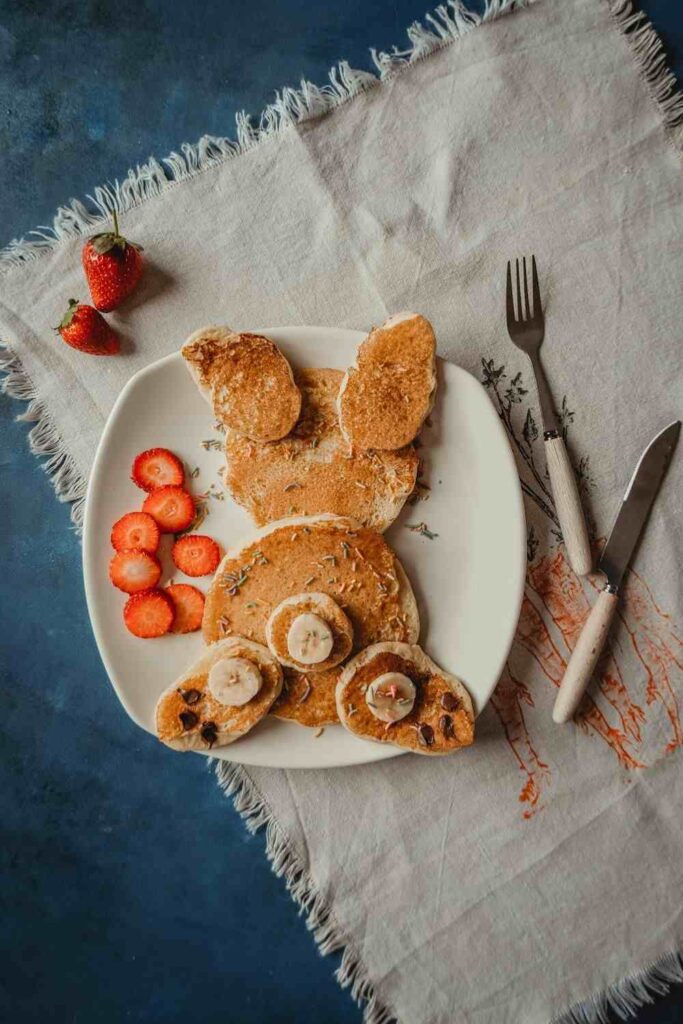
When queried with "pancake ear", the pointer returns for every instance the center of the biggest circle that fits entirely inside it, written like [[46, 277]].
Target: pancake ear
[[247, 381], [386, 396]]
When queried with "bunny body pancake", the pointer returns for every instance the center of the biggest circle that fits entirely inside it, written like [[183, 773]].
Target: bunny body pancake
[[315, 554]]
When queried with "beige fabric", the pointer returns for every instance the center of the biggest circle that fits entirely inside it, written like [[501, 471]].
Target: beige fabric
[[544, 864]]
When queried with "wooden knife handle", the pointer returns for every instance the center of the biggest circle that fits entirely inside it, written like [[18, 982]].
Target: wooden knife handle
[[568, 506], [585, 656]]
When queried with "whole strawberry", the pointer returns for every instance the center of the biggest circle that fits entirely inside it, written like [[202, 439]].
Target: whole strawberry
[[113, 267], [84, 328]]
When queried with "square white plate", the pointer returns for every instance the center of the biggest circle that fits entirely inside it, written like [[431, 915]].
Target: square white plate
[[468, 581]]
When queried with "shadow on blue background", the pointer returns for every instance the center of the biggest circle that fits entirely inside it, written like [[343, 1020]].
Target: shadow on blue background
[[130, 889]]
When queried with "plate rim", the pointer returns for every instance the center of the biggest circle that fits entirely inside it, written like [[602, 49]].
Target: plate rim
[[348, 334]]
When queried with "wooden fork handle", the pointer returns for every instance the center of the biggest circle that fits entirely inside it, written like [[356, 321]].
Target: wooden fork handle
[[568, 506], [585, 656]]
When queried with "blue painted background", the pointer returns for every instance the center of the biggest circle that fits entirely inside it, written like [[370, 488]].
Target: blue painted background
[[129, 889]]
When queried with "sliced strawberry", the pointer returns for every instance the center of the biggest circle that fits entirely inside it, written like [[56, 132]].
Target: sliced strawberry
[[171, 507], [196, 555], [188, 606], [148, 614], [135, 530], [133, 571], [156, 468]]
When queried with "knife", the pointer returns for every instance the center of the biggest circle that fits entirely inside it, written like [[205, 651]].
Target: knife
[[614, 562]]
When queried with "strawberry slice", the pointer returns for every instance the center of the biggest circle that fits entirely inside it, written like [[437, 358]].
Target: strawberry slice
[[188, 607], [171, 507], [157, 467], [196, 555], [133, 571], [148, 614], [135, 530]]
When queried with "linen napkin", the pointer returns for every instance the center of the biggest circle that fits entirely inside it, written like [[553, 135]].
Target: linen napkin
[[540, 872]]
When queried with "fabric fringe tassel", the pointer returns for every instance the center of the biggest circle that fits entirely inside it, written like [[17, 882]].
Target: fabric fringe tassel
[[44, 438], [626, 997], [446, 23], [236, 783], [650, 57]]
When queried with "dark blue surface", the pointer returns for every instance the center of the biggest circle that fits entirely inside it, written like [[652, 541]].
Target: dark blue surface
[[130, 889]]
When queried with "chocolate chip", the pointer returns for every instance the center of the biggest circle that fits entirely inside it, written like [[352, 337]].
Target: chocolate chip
[[446, 726], [425, 735], [449, 701], [190, 696], [188, 719], [209, 733]]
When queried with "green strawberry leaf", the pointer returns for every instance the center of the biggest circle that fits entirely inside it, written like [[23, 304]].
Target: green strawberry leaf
[[69, 315], [105, 241]]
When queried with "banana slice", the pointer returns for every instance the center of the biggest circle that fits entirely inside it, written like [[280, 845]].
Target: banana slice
[[309, 639], [234, 681], [309, 632], [391, 696]]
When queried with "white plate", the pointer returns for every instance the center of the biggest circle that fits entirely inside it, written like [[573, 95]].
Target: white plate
[[468, 581]]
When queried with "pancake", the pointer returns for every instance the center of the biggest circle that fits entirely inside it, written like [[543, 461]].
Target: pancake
[[249, 382], [312, 470], [312, 554], [204, 352], [322, 607], [190, 697], [385, 398], [441, 720]]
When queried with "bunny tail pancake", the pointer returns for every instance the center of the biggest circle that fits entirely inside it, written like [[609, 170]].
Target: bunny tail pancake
[[220, 698], [312, 555], [309, 632], [312, 470], [247, 380], [385, 398], [393, 693]]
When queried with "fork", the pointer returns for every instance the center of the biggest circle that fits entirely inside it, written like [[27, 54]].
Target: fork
[[526, 330]]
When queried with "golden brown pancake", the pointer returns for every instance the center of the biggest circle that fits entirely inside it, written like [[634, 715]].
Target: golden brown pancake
[[251, 385], [321, 605], [441, 720], [313, 470], [328, 554], [188, 717], [386, 397]]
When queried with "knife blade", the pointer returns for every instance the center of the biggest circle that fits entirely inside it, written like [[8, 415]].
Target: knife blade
[[636, 504], [614, 561]]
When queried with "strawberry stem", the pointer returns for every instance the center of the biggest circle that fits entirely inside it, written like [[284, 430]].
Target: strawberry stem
[[69, 315], [116, 222]]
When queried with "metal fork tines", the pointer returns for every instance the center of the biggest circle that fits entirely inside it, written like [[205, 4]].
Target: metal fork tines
[[526, 330], [526, 327]]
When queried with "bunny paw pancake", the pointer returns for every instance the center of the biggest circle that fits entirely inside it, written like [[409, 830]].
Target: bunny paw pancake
[[309, 632], [250, 383], [385, 398], [319, 555], [312, 470], [394, 693], [220, 698]]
